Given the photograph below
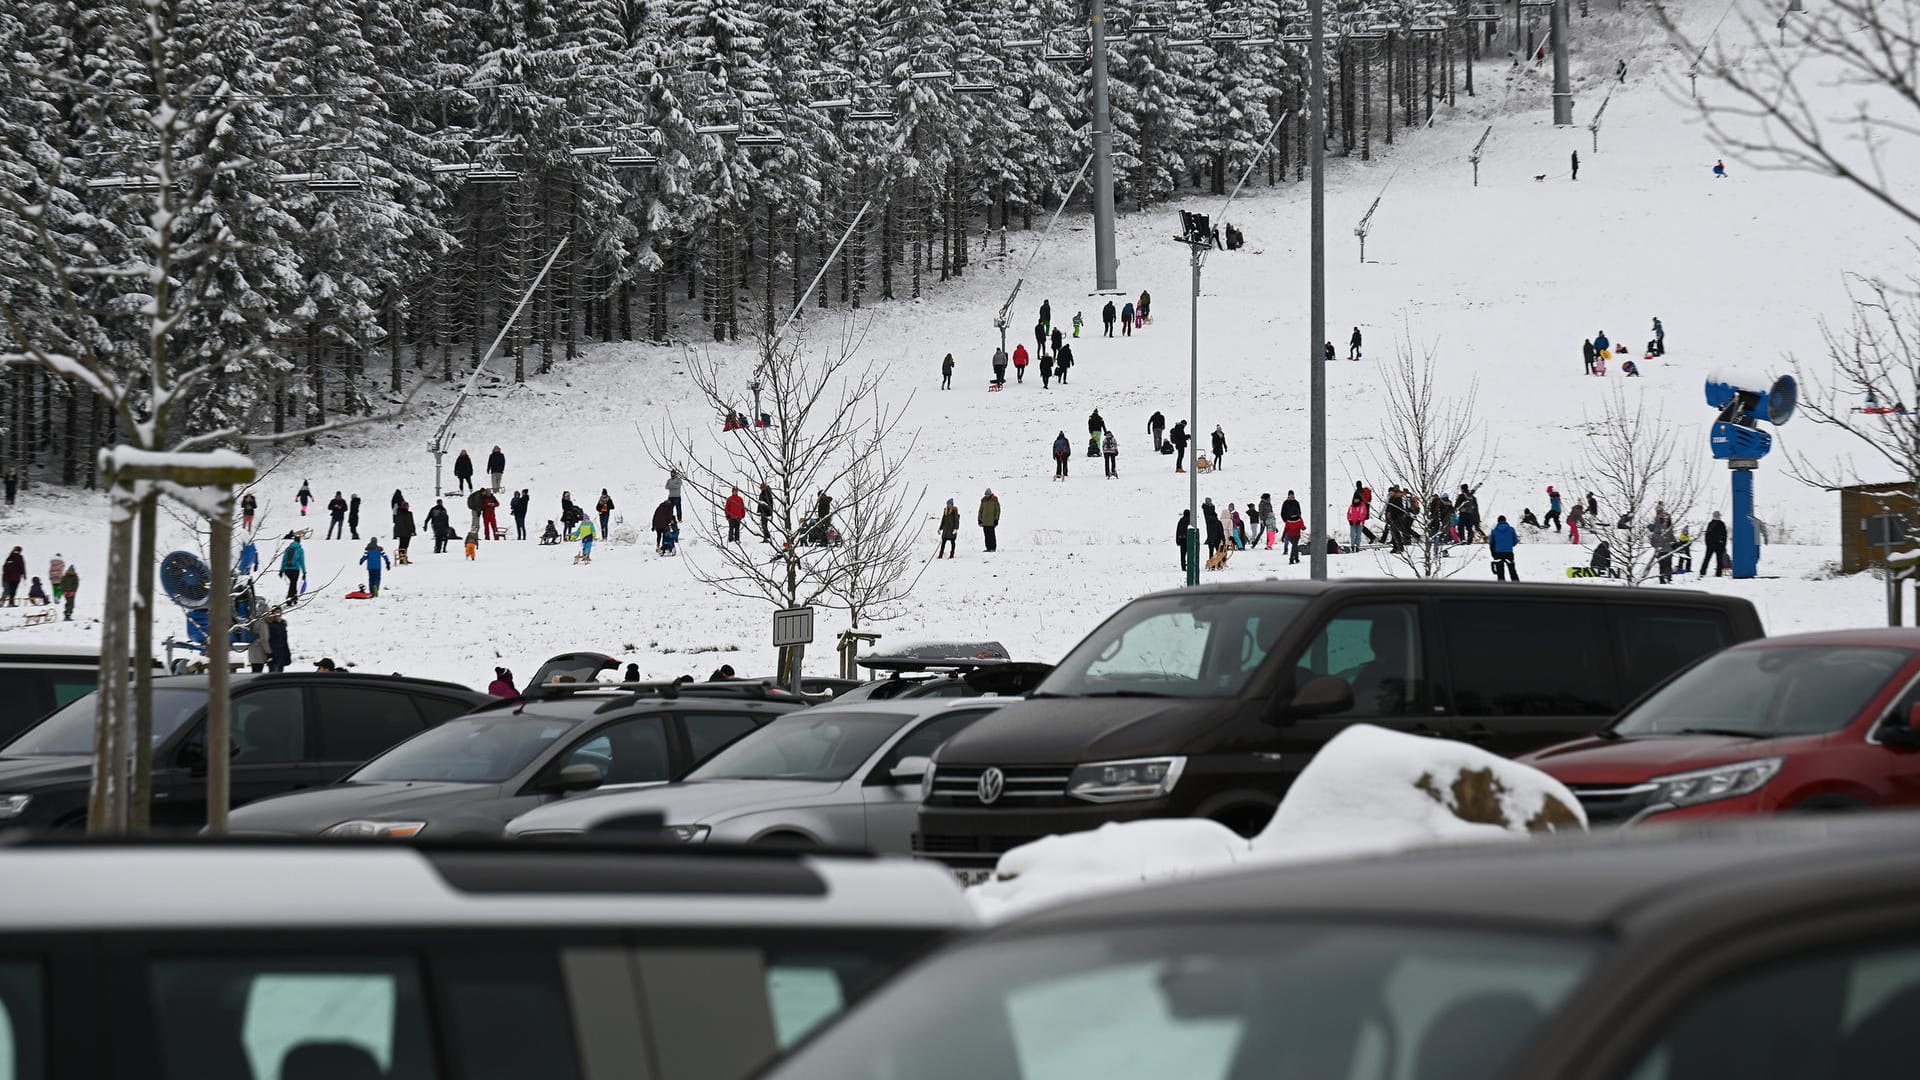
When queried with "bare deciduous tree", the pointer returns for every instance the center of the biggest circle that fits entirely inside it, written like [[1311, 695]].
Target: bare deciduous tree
[[881, 529], [1636, 467], [826, 426], [1428, 444], [1763, 111], [1875, 358]]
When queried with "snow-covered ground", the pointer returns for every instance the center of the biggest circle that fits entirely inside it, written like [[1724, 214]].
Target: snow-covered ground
[[1504, 280]]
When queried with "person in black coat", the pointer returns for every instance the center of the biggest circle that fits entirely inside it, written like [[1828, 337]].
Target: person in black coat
[[1180, 530], [1062, 362], [1046, 317], [336, 516], [1216, 532], [496, 467], [1589, 354], [353, 516], [441, 527], [403, 529], [1039, 339], [1716, 546], [1219, 445], [1107, 315], [279, 654], [1178, 436], [1353, 345], [1157, 427], [518, 507], [766, 510], [463, 470], [570, 514]]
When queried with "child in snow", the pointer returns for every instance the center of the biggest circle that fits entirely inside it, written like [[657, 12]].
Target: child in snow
[[1719, 170], [551, 536], [1527, 518], [585, 533], [1600, 362], [670, 539], [1077, 321], [37, 594], [305, 497], [473, 543], [1630, 369]]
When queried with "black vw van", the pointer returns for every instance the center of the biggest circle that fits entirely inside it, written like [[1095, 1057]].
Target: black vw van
[[1207, 702]]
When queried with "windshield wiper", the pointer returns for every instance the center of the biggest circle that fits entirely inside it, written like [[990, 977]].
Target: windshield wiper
[[1733, 733]]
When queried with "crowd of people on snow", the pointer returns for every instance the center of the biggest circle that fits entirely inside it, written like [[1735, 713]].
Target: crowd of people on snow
[[1599, 351], [61, 584], [1052, 345]]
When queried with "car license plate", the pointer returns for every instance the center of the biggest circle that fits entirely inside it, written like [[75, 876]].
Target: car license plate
[[973, 875]]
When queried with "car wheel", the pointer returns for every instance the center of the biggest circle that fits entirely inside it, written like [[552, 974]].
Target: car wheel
[[788, 840], [1832, 804], [1246, 819]]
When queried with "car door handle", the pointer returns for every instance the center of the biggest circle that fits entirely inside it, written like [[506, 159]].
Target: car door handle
[[1478, 732], [1422, 729]]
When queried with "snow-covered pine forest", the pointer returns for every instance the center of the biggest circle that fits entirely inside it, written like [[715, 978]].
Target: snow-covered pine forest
[[355, 193]]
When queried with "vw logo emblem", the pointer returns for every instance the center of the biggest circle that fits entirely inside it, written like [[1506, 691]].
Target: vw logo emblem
[[992, 783]]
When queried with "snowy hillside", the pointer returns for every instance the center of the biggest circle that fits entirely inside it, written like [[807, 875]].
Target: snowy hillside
[[1504, 280]]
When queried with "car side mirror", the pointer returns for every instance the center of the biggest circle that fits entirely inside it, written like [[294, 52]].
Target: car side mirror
[[1905, 736], [911, 770], [1320, 696], [572, 778]]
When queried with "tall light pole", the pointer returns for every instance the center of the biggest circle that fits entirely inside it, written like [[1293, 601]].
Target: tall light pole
[[1562, 84], [1106, 269], [1317, 303]]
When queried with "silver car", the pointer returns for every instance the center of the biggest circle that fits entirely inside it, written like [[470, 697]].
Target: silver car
[[846, 776]]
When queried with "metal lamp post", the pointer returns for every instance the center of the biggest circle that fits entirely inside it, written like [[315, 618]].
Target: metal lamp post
[[1317, 301], [1106, 268]]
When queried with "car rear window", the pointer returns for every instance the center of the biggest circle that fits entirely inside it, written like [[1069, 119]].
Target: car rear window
[[1765, 691]]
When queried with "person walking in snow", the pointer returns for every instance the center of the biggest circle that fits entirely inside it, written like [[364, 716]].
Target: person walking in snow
[[489, 515], [496, 467], [1216, 532], [1353, 345], [1600, 342], [604, 507], [766, 510], [585, 535], [1180, 530], [736, 509], [1126, 320], [1110, 449], [1553, 509], [336, 516], [1157, 427], [1219, 446], [476, 506], [1039, 339], [518, 506], [1046, 316], [1269, 525], [1466, 511], [949, 531], [377, 563], [404, 528], [293, 566], [279, 654], [248, 507], [1062, 452], [56, 569], [11, 575], [1000, 365], [1356, 517], [1178, 437], [1078, 321], [989, 519], [1576, 517], [1716, 556], [674, 480], [304, 497], [1020, 360], [1142, 310], [439, 526], [1046, 371], [473, 544], [1500, 543], [1106, 319], [1057, 338], [353, 516], [1095, 424], [662, 521], [463, 471], [1588, 353], [1659, 337], [946, 373], [1061, 363], [570, 512], [69, 588], [1576, 176]]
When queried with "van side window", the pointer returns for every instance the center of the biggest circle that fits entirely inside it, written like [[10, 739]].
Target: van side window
[[1527, 658], [23, 1023], [283, 1018], [509, 1015], [1655, 642], [270, 726], [1377, 649]]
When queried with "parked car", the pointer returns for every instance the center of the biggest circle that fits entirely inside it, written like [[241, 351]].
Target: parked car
[[847, 776], [329, 961], [290, 731], [1774, 950], [1207, 702], [1825, 721], [37, 679], [471, 775]]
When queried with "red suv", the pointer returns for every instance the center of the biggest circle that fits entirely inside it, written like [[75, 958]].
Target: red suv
[[1825, 721]]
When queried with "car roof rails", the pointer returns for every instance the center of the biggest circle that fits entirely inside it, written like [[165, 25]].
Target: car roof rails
[[632, 693]]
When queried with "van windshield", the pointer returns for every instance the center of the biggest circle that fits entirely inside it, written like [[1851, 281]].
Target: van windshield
[[1768, 691], [1201, 644], [70, 731]]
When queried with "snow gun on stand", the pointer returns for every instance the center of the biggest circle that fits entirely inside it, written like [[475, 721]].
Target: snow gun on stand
[[188, 581], [1737, 440]]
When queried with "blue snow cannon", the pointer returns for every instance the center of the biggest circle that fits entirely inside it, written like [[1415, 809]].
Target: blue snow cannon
[[1737, 440]]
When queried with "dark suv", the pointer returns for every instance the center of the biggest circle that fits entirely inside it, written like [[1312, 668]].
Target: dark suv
[[1208, 702], [289, 732]]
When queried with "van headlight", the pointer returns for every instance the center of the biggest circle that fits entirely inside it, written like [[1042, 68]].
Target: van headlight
[[1125, 781], [686, 834], [369, 830], [1720, 782], [12, 806]]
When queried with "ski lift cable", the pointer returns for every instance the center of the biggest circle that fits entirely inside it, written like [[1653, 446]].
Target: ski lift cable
[[1006, 309]]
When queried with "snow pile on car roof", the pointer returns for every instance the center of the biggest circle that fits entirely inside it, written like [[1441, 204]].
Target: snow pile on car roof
[[1369, 791]]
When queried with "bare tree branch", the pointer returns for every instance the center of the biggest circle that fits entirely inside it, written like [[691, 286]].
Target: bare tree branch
[[1427, 445], [1635, 466]]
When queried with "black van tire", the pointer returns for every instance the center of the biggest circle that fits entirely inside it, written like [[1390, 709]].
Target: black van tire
[[1245, 812]]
